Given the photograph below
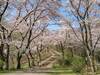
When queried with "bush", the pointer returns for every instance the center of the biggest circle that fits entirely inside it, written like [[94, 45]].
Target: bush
[[77, 64], [56, 65], [1, 63], [67, 62], [63, 63]]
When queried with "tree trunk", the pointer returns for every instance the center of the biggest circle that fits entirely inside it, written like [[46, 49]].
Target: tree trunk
[[32, 57], [7, 58], [72, 53], [63, 54], [2, 58], [90, 70], [12, 60], [29, 64], [39, 54], [94, 62], [18, 61]]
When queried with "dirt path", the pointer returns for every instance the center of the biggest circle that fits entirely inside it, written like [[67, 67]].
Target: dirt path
[[24, 74], [33, 74]]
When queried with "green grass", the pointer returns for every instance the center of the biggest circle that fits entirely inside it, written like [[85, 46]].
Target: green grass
[[53, 71], [38, 74]]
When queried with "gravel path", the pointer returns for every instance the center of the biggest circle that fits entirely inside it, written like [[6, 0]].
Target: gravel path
[[24, 74], [33, 74]]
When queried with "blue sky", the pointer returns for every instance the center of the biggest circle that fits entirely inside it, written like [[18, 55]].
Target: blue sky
[[67, 14], [63, 12], [52, 26]]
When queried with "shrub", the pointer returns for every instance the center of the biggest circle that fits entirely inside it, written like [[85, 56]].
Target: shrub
[[67, 62], [63, 63], [1, 63], [56, 65], [77, 64]]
